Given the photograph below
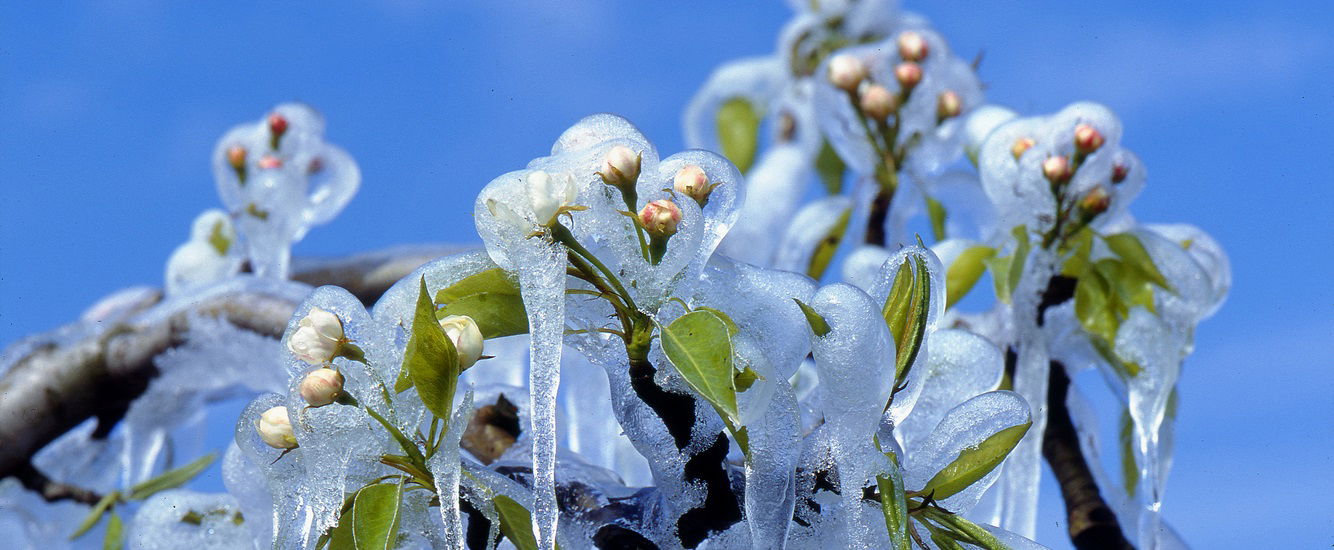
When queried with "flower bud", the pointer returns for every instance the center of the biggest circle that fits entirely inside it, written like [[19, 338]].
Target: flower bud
[[660, 218], [317, 338], [1087, 139], [275, 429], [948, 105], [846, 72], [877, 102], [1021, 146], [236, 157], [321, 387], [620, 168], [549, 195], [1095, 202], [1057, 169], [912, 47], [908, 74], [467, 338], [692, 182], [277, 125], [270, 162], [1119, 172]]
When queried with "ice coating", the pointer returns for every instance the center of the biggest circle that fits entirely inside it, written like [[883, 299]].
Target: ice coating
[[963, 427], [906, 398], [862, 266], [811, 224], [286, 189], [773, 193], [187, 519], [961, 366], [211, 254], [758, 80], [445, 467]]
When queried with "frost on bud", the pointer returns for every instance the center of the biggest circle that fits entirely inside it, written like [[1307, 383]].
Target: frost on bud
[[1119, 172], [465, 335], [317, 338], [692, 182], [550, 195], [270, 162], [948, 105], [912, 47], [877, 102], [1087, 139], [321, 387], [1057, 169], [277, 127], [275, 429], [659, 219], [846, 72], [1021, 146], [1095, 202], [620, 168], [908, 74]]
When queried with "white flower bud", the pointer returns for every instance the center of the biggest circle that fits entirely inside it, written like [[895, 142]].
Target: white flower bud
[[877, 102], [692, 182], [467, 338], [908, 74], [317, 338], [846, 72], [620, 167], [660, 218], [276, 429], [948, 105], [912, 47], [1057, 169], [321, 387], [548, 194]]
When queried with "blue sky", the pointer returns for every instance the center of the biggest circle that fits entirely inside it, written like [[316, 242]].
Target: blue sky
[[109, 110]]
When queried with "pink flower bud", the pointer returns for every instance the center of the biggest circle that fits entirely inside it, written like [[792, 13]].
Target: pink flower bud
[[846, 72], [1057, 169], [275, 428], [620, 167], [692, 182], [1095, 202], [236, 157], [660, 218], [948, 105], [1087, 139], [912, 47], [908, 74], [270, 162], [1119, 172], [1021, 146], [321, 387], [877, 102], [277, 125]]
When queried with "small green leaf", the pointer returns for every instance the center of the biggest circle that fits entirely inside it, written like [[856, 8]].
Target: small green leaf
[[1131, 250], [95, 515], [254, 210], [827, 246], [217, 237], [739, 132], [831, 168], [943, 541], [375, 516], [114, 539], [699, 346], [906, 311], [936, 212], [1092, 306], [491, 298], [1129, 470], [974, 463], [964, 273], [745, 378], [340, 536], [732, 328], [1020, 256], [171, 479], [818, 325], [430, 359], [893, 504], [1080, 246], [516, 522], [1000, 269]]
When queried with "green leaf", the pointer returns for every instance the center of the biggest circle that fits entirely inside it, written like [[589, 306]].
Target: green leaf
[[114, 539], [430, 359], [827, 246], [1000, 269], [1131, 250], [818, 325], [95, 515], [943, 540], [974, 463], [744, 379], [961, 528], [893, 504], [340, 536], [699, 346], [1093, 307], [217, 237], [739, 132], [906, 311], [1020, 256], [1129, 470], [516, 523], [171, 479], [936, 212], [964, 273], [831, 168], [491, 298], [1080, 246], [732, 328], [375, 516]]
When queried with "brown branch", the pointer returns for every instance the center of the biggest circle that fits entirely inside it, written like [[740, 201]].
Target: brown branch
[[54, 387]]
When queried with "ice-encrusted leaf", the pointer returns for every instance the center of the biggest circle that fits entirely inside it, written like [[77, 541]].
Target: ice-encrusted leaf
[[430, 360], [699, 345], [974, 463], [827, 246], [935, 211], [491, 298], [965, 272], [732, 328], [739, 132], [218, 239], [831, 168], [516, 523], [1133, 253], [893, 504], [906, 311], [818, 325], [171, 479], [95, 515], [114, 539], [1020, 257], [375, 516], [744, 379], [1126, 440]]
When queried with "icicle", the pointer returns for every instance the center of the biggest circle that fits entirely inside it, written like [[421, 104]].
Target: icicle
[[445, 467]]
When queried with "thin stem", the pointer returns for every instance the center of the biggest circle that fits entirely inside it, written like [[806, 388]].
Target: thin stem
[[563, 235]]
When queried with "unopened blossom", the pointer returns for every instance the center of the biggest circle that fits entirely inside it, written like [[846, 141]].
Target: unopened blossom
[[462, 330], [275, 428], [317, 338], [321, 387]]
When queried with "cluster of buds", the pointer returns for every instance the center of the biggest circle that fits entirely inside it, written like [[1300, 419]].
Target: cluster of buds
[[275, 428], [659, 219], [319, 338], [692, 182], [277, 127], [462, 330]]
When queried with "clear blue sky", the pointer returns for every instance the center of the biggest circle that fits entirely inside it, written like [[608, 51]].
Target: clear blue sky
[[109, 111]]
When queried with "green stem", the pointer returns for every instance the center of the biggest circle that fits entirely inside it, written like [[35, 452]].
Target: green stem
[[562, 235]]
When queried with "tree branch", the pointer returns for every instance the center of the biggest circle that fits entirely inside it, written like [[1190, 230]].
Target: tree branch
[[53, 387]]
